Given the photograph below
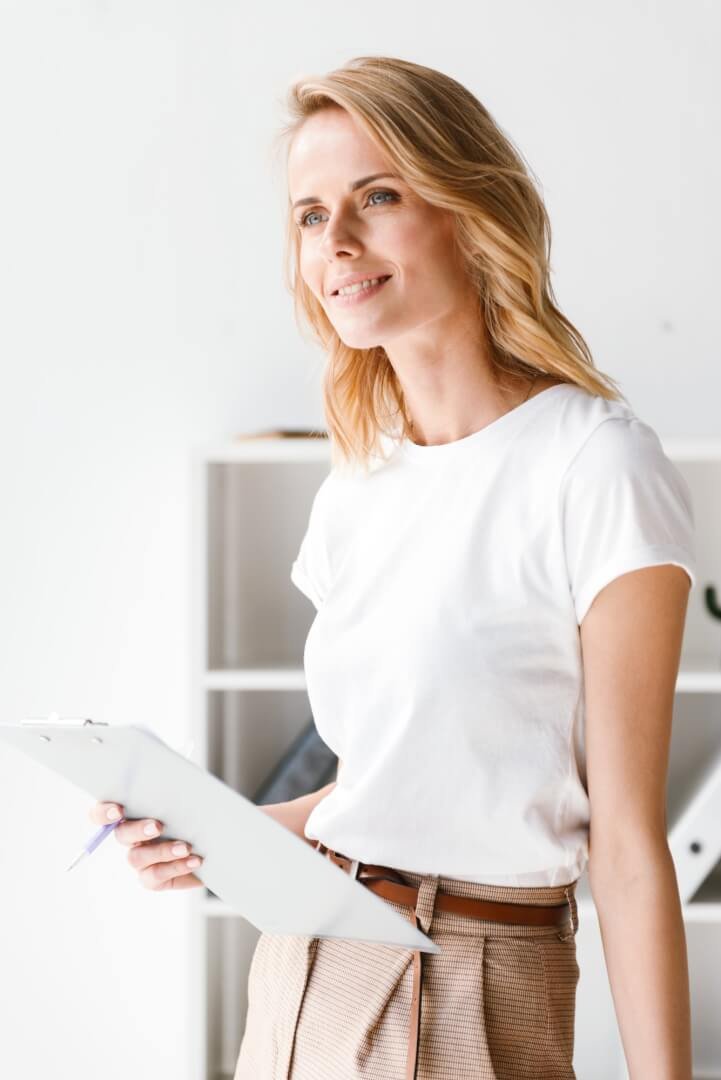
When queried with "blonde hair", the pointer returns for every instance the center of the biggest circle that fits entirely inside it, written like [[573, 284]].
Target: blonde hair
[[450, 151]]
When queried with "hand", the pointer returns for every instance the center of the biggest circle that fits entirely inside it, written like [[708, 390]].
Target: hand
[[158, 866]]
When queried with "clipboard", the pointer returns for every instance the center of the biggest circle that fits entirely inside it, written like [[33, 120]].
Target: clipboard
[[256, 866]]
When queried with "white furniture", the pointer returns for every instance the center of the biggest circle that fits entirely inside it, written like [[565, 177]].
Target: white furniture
[[250, 508]]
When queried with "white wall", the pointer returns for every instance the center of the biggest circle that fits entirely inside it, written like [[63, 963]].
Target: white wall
[[143, 312]]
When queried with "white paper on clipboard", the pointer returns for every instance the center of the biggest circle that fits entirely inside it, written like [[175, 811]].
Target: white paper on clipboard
[[256, 866]]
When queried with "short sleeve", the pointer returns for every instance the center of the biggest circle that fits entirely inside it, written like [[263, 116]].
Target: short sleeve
[[310, 571], [623, 505]]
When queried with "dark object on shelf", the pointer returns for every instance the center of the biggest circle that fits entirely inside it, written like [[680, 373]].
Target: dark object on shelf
[[307, 765], [285, 433], [712, 605]]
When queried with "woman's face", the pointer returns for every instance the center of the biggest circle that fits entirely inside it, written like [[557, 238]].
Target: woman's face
[[380, 228]]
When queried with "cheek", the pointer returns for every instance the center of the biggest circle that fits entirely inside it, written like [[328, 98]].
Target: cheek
[[424, 249], [431, 275], [311, 270]]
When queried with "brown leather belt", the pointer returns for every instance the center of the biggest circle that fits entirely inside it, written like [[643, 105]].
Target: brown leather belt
[[390, 885]]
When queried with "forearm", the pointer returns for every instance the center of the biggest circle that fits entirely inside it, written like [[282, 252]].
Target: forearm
[[294, 814], [644, 944]]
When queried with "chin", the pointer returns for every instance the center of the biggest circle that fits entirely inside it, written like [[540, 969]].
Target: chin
[[359, 337], [354, 342]]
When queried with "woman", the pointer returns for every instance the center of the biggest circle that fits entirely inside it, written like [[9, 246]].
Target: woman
[[500, 559]]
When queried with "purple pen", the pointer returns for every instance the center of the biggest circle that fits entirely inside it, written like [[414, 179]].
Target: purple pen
[[95, 841]]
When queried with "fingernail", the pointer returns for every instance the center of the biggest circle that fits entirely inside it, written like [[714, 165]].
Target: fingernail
[[179, 849], [113, 813], [193, 861], [151, 829]]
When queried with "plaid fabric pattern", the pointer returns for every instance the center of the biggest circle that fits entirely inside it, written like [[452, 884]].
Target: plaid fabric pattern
[[497, 1004]]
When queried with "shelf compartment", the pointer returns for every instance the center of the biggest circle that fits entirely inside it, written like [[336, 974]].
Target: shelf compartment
[[230, 947], [257, 515], [249, 731]]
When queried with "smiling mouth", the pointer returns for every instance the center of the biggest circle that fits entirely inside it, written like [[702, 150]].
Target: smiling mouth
[[365, 288]]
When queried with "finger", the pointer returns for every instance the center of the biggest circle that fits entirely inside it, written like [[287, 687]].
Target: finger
[[142, 855], [99, 812], [183, 881], [138, 831], [156, 876]]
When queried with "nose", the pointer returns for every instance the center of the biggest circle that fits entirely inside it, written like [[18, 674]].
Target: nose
[[339, 239]]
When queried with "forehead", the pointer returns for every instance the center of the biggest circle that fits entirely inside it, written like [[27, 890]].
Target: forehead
[[330, 149]]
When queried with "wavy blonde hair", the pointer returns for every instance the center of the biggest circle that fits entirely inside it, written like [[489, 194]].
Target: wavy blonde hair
[[451, 152]]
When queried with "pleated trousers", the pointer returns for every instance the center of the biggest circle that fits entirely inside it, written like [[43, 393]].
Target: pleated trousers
[[498, 1003]]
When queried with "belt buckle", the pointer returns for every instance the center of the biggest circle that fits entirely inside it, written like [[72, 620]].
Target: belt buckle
[[353, 868]]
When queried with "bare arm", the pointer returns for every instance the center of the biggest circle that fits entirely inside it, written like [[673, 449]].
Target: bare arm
[[294, 813], [631, 640]]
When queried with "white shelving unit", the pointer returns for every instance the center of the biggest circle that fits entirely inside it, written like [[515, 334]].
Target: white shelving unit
[[250, 506]]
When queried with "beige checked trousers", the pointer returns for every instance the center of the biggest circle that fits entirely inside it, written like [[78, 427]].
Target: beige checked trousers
[[498, 1003]]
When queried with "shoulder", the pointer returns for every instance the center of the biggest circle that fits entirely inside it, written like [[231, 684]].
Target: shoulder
[[616, 463], [605, 450], [583, 411], [594, 432]]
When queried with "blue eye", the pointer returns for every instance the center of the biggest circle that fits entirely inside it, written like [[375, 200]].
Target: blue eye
[[303, 222]]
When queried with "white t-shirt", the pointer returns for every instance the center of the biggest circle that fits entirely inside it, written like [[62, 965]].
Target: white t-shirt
[[443, 665]]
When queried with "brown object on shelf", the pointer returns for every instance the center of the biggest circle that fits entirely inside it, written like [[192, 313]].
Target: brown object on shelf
[[285, 433]]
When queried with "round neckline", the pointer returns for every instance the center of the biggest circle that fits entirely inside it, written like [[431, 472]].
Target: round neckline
[[490, 433]]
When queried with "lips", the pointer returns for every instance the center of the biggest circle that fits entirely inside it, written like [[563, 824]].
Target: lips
[[381, 278]]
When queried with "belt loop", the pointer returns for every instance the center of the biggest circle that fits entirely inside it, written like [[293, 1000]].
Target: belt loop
[[571, 898], [426, 901]]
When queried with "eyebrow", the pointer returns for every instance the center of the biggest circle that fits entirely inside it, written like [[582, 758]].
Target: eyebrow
[[352, 187]]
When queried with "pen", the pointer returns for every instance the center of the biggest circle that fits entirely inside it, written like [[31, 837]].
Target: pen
[[95, 841], [105, 830]]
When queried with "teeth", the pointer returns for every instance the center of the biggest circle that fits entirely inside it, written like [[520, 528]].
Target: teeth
[[350, 289]]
